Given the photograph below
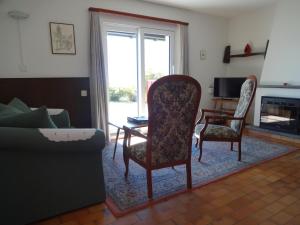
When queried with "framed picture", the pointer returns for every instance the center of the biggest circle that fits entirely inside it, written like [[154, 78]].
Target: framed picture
[[62, 38]]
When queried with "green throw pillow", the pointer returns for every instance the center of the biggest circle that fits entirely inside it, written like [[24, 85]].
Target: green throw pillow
[[34, 119], [6, 110], [61, 120], [18, 104]]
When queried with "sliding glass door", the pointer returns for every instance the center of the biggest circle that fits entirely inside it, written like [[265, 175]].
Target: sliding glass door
[[157, 60], [135, 58], [122, 74]]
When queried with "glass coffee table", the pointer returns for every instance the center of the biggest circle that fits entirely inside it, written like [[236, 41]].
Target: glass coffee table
[[119, 125]]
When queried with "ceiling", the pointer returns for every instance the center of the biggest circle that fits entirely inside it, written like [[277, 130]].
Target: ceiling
[[224, 8]]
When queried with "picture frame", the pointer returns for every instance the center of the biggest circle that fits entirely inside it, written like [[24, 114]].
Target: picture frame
[[62, 37]]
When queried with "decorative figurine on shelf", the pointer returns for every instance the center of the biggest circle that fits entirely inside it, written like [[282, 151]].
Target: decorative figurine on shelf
[[247, 49]]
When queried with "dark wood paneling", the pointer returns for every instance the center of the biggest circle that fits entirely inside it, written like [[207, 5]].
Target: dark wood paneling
[[52, 92]]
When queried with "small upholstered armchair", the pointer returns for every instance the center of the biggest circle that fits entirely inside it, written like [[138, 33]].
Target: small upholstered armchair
[[173, 103], [233, 133]]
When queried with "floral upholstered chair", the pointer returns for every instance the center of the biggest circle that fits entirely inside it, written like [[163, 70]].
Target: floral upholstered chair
[[232, 133], [173, 103]]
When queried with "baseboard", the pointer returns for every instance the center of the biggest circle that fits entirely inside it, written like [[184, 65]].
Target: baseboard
[[262, 133]]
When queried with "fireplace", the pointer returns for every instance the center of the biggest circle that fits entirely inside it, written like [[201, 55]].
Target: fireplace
[[280, 114]]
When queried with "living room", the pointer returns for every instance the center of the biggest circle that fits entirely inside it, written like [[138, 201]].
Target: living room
[[259, 190]]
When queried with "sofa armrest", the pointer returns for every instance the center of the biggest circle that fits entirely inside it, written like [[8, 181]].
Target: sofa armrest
[[52, 140]]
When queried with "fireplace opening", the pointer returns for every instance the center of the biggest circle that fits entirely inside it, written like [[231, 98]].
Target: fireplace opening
[[280, 114]]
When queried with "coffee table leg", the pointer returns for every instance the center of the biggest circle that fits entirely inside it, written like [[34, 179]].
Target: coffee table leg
[[117, 137]]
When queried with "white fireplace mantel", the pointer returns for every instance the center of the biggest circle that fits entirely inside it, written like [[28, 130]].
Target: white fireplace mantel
[[273, 91]]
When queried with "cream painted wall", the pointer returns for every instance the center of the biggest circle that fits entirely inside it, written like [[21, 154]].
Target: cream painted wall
[[254, 27], [282, 63], [205, 32]]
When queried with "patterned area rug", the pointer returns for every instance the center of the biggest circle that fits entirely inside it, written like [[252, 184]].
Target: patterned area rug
[[217, 162]]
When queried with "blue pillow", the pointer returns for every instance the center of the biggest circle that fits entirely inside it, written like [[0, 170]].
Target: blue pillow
[[18, 104], [6, 110]]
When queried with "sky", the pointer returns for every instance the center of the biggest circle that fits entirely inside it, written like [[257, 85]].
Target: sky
[[122, 59]]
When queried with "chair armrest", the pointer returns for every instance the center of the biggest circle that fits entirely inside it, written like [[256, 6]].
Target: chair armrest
[[213, 111], [217, 111], [134, 132], [208, 117], [128, 133]]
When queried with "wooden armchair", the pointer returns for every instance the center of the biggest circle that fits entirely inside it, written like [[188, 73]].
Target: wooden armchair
[[173, 103], [232, 133]]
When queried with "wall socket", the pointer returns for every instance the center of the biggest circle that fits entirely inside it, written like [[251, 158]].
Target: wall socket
[[203, 54], [83, 93]]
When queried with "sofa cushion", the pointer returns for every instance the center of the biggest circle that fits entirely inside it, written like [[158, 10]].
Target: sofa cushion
[[18, 104], [61, 120], [6, 110], [34, 119]]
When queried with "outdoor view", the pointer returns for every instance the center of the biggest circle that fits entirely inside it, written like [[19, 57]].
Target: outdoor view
[[122, 52], [157, 60], [122, 75]]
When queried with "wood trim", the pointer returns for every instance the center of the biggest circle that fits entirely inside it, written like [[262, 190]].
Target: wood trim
[[91, 9]]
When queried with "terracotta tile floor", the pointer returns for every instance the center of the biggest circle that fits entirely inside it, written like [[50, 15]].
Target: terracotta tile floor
[[267, 194]]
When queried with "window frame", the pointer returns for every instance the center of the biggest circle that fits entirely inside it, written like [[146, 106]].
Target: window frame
[[110, 23]]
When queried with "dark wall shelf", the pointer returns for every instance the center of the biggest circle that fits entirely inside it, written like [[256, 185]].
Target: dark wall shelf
[[280, 86], [228, 56]]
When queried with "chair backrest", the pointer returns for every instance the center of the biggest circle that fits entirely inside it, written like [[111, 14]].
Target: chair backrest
[[246, 97], [173, 103]]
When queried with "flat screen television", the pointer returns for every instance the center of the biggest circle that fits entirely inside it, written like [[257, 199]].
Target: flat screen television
[[228, 87]]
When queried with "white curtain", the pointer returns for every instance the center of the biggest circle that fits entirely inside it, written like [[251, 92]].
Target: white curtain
[[98, 81], [183, 51]]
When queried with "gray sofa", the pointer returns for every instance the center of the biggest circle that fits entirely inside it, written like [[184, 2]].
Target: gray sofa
[[46, 172]]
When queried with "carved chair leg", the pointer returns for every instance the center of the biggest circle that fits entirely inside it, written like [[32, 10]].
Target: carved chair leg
[[126, 161], [200, 148], [189, 175], [240, 150], [197, 141], [117, 137], [149, 183], [231, 146]]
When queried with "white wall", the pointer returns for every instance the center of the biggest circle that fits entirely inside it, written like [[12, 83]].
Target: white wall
[[205, 31], [254, 27], [282, 63]]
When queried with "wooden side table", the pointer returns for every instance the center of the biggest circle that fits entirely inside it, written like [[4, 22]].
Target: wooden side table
[[119, 125]]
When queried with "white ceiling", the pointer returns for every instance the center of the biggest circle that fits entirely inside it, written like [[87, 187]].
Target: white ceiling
[[224, 8]]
